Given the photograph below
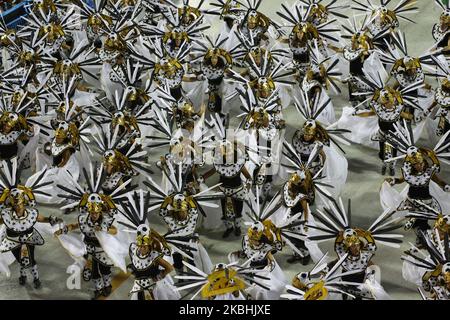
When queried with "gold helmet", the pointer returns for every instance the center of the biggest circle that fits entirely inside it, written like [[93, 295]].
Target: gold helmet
[[62, 131], [386, 17], [256, 19], [301, 281], [445, 272], [230, 6], [414, 155], [445, 84], [301, 177], [136, 94], [305, 32], [9, 119], [187, 109], [176, 34], [351, 238], [128, 3], [69, 131], [255, 232], [310, 128], [264, 87], [8, 38], [213, 56], [145, 236], [19, 196], [443, 223], [180, 203], [388, 97], [53, 31], [17, 96], [445, 19], [114, 42], [266, 228], [260, 117], [407, 64], [46, 6], [362, 40], [117, 160], [97, 21], [168, 67], [119, 119], [257, 54], [28, 57], [95, 204], [188, 15], [318, 13], [67, 68]]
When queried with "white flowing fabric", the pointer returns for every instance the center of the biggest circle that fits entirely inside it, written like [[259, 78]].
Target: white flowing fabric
[[328, 115], [335, 170], [74, 245], [312, 246], [115, 246], [213, 219], [30, 147], [82, 98], [195, 92], [6, 258], [391, 198], [362, 128], [372, 284], [412, 273], [108, 86], [276, 284], [201, 258], [46, 228], [60, 176], [165, 290]]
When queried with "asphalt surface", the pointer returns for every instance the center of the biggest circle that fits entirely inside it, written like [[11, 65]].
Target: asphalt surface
[[363, 184]]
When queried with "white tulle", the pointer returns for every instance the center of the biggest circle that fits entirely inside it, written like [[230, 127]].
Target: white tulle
[[412, 273], [165, 290], [201, 258], [276, 284], [335, 170], [391, 198], [115, 248], [6, 258], [74, 245]]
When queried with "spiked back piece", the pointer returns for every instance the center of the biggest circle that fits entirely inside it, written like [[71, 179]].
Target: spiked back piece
[[318, 283], [223, 279], [134, 212], [335, 220], [37, 184], [260, 213], [74, 193], [177, 185], [310, 110], [403, 8], [403, 140], [296, 166], [135, 157]]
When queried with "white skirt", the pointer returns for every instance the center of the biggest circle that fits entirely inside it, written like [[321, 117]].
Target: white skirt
[[276, 284], [391, 198]]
